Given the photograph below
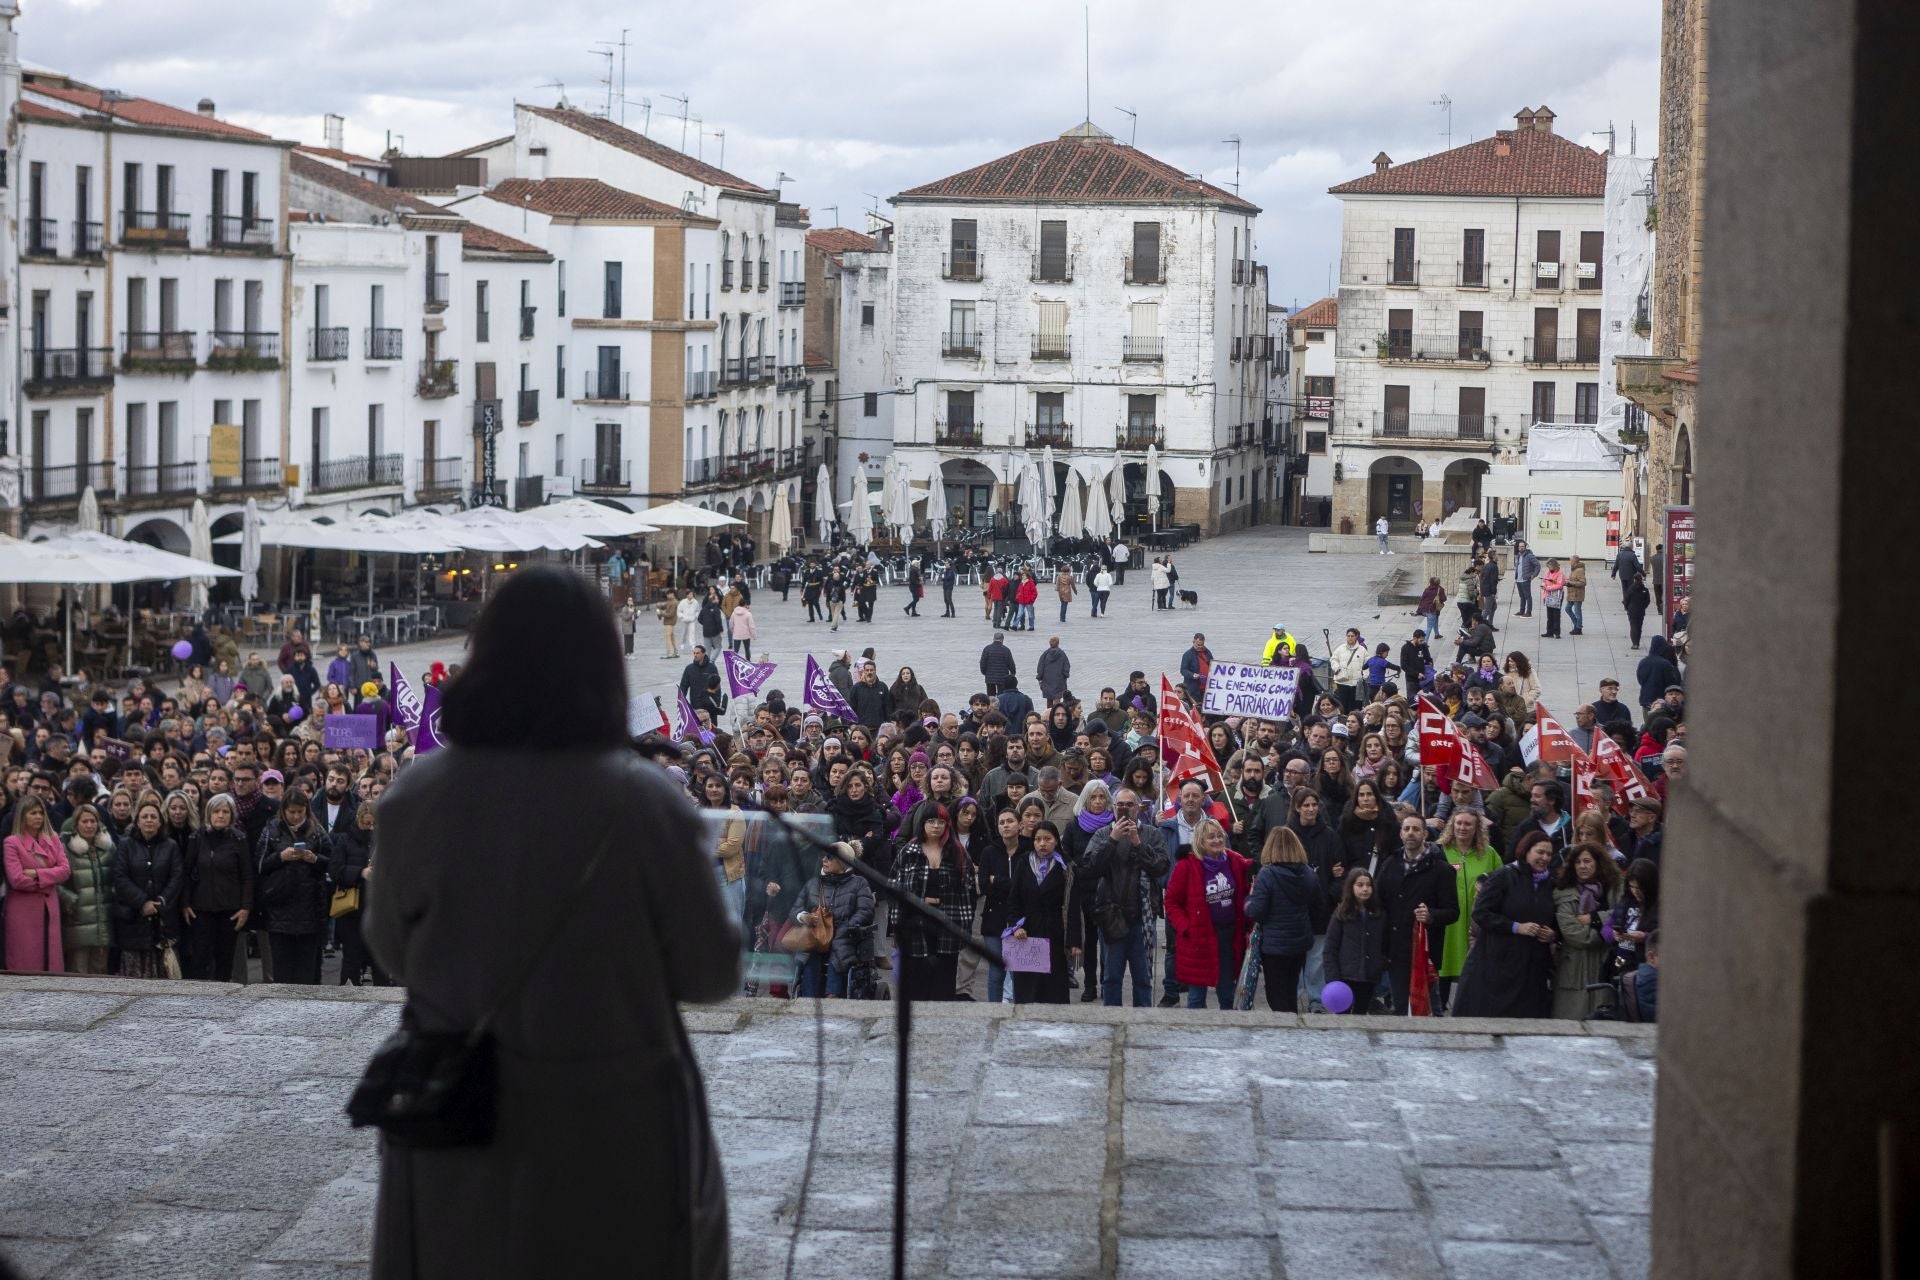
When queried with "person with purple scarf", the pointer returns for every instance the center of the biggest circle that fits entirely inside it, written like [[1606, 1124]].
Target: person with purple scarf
[[915, 790], [1092, 813]]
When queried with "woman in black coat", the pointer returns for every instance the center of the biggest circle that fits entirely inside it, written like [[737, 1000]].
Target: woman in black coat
[[219, 890], [1637, 598], [149, 877], [1285, 901], [290, 889], [1417, 884], [1037, 907], [1368, 827], [858, 816], [1509, 972], [993, 861], [350, 866]]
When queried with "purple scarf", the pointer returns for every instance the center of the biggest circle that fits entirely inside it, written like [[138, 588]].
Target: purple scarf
[[907, 797], [1092, 822]]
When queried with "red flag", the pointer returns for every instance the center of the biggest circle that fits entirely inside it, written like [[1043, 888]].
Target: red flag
[[1419, 1003], [1442, 743], [1583, 774], [1180, 731], [1555, 743], [1613, 764]]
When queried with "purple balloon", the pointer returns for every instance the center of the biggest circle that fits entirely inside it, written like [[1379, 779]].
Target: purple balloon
[[295, 713], [1337, 997], [182, 649]]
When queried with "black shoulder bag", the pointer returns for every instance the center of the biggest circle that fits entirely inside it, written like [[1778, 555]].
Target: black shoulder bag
[[437, 1088]]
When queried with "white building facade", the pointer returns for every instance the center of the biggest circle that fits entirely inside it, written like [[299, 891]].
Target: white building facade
[[1081, 295], [1312, 333], [1470, 308]]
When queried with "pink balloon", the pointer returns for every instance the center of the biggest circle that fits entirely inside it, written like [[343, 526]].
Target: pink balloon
[[1337, 997], [295, 713]]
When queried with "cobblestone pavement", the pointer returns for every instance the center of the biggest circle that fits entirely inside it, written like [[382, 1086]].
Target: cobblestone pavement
[[183, 1129], [1247, 582]]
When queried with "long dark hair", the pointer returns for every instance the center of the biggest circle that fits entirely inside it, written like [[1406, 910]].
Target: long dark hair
[[499, 698]]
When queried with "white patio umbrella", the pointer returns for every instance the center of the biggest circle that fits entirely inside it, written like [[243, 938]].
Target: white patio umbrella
[[595, 519], [1153, 484], [684, 515], [860, 518], [1072, 519], [200, 547], [1046, 485], [1033, 512], [1099, 519], [91, 558], [823, 503], [781, 531], [250, 551], [900, 500]]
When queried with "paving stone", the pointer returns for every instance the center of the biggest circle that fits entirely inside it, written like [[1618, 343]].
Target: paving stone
[[52, 1090], [1609, 1177], [255, 1170], [850, 1253], [1195, 1133], [1494, 1131], [1178, 1033], [167, 1128], [69, 1195], [1319, 1055], [1329, 1245], [305, 1271], [1328, 1110], [215, 1007], [1487, 1260], [1627, 1238], [1071, 1254], [855, 1192], [1518, 1205], [26, 1048], [1337, 1175], [1187, 1075], [1053, 1044], [313, 1019], [35, 1259], [1434, 1040], [335, 1226], [149, 1243], [1051, 1159], [1470, 1077], [1191, 1257], [57, 1010], [1016, 1212], [1164, 1199], [778, 1090], [1030, 1095]]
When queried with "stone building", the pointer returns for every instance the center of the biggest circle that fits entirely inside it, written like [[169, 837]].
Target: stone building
[[1313, 389], [1082, 295], [1665, 383], [1470, 308]]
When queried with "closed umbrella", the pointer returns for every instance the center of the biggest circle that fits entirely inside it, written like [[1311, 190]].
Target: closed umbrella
[[250, 551], [87, 520], [1099, 515], [1072, 520], [781, 531], [1153, 484], [823, 504], [200, 547], [860, 518], [900, 505], [1046, 485]]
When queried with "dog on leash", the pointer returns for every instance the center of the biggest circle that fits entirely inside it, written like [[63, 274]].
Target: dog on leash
[[1189, 597]]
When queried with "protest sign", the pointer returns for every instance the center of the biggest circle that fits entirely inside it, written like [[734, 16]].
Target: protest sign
[[1250, 689], [351, 733]]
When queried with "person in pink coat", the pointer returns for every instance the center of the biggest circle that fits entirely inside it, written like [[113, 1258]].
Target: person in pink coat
[[743, 631], [36, 863]]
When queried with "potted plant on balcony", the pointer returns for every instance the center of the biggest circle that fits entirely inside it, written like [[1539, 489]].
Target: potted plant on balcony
[[1380, 345]]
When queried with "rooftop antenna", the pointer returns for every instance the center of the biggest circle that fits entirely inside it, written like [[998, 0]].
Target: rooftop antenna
[[1133, 123], [607, 79], [1086, 14], [699, 138], [1234, 142], [722, 135], [680, 98], [1608, 134], [555, 84], [835, 210], [1445, 104], [623, 74], [780, 183], [1633, 138], [876, 200]]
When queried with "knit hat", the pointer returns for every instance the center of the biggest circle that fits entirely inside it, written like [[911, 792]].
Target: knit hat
[[371, 689]]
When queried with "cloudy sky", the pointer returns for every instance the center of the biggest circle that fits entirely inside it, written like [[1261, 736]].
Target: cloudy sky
[[857, 100]]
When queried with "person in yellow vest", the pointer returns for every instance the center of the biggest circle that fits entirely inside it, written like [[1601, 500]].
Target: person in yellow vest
[[1280, 640]]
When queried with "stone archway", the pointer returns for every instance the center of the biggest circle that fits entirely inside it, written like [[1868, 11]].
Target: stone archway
[[966, 490], [158, 531], [1395, 489], [1680, 467], [1460, 487]]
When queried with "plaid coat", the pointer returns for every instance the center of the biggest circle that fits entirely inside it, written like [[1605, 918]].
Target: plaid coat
[[953, 886]]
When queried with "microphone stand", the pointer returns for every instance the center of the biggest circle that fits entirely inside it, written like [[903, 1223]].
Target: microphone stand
[[988, 950]]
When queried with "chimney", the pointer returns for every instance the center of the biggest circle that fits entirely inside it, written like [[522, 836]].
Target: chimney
[[336, 132], [206, 108], [1382, 162], [1523, 119], [1543, 120]]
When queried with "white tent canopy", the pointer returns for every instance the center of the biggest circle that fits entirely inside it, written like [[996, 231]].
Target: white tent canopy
[[86, 557], [597, 519]]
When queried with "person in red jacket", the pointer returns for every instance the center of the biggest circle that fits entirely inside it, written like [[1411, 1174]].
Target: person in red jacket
[[1025, 595], [1206, 902]]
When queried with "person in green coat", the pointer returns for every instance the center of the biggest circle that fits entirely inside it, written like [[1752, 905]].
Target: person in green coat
[[1472, 856], [86, 899], [1584, 893]]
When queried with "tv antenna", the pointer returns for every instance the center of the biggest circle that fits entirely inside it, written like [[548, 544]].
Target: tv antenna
[[722, 135], [555, 84], [1234, 142], [1086, 15], [646, 105], [834, 209], [680, 98], [1133, 123], [607, 79], [1445, 104], [876, 200], [624, 42], [1610, 134]]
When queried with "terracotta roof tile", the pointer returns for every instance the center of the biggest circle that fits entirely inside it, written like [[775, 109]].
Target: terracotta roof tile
[[344, 157], [338, 179], [841, 240], [581, 198], [640, 145], [31, 110], [1513, 162], [142, 111], [1324, 314], [487, 240], [1077, 170]]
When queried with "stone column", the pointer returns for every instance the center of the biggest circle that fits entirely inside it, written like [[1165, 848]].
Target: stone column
[[1790, 1018]]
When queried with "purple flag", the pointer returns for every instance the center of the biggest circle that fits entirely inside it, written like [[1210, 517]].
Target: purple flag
[[744, 676], [689, 725], [406, 702], [822, 695], [427, 737]]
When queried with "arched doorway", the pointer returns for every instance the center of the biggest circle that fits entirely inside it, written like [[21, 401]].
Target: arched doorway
[[967, 490], [1136, 513], [168, 536], [1680, 478], [1460, 488], [1394, 491]]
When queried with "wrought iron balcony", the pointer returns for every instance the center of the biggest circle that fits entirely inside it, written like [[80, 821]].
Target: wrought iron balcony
[[1393, 424], [1052, 346], [1132, 348], [56, 368], [162, 479], [965, 344], [766, 275], [240, 231], [65, 484], [1057, 434], [158, 350], [1401, 346], [40, 237], [529, 409], [439, 475], [700, 471], [255, 473], [733, 371], [526, 321], [726, 273], [383, 344], [329, 343], [793, 293], [960, 264], [155, 227], [1471, 275], [1562, 353], [87, 239], [243, 350], [792, 377], [1139, 437], [438, 379], [608, 385], [1052, 270], [380, 470], [606, 475], [1549, 277], [1145, 271], [961, 434], [702, 384]]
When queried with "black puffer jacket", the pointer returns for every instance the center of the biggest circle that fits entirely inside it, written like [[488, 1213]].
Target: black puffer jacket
[[291, 895], [849, 900], [143, 871], [219, 871], [1283, 903], [869, 703]]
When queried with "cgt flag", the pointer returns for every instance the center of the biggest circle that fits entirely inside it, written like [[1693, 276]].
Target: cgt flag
[[744, 677], [427, 736], [407, 708], [821, 695]]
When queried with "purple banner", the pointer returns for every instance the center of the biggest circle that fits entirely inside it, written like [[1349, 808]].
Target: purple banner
[[349, 732], [689, 725], [427, 737], [406, 703], [822, 695], [743, 675]]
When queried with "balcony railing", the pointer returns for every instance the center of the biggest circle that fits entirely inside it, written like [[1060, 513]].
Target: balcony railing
[[1562, 352], [164, 350], [67, 483], [1052, 346], [239, 231], [702, 384], [762, 369], [1146, 271], [383, 344], [766, 275], [1471, 275], [1239, 270], [703, 470], [796, 457], [439, 475], [1393, 424], [966, 434], [438, 379], [378, 470], [1587, 275], [792, 377], [607, 384], [1138, 437], [1055, 271], [726, 273], [793, 293], [606, 474], [1057, 434], [41, 237], [162, 478], [1403, 272], [529, 491], [154, 227], [733, 371], [1549, 277], [438, 290], [526, 321], [255, 473], [86, 239], [56, 367], [243, 349], [1404, 347], [960, 264], [330, 343], [966, 343], [529, 409], [1132, 348]]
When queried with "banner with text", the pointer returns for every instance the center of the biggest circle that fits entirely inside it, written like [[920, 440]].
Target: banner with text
[[351, 732], [1250, 689]]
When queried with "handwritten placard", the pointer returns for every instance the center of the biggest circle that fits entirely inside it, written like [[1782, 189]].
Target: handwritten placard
[[1027, 955]]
